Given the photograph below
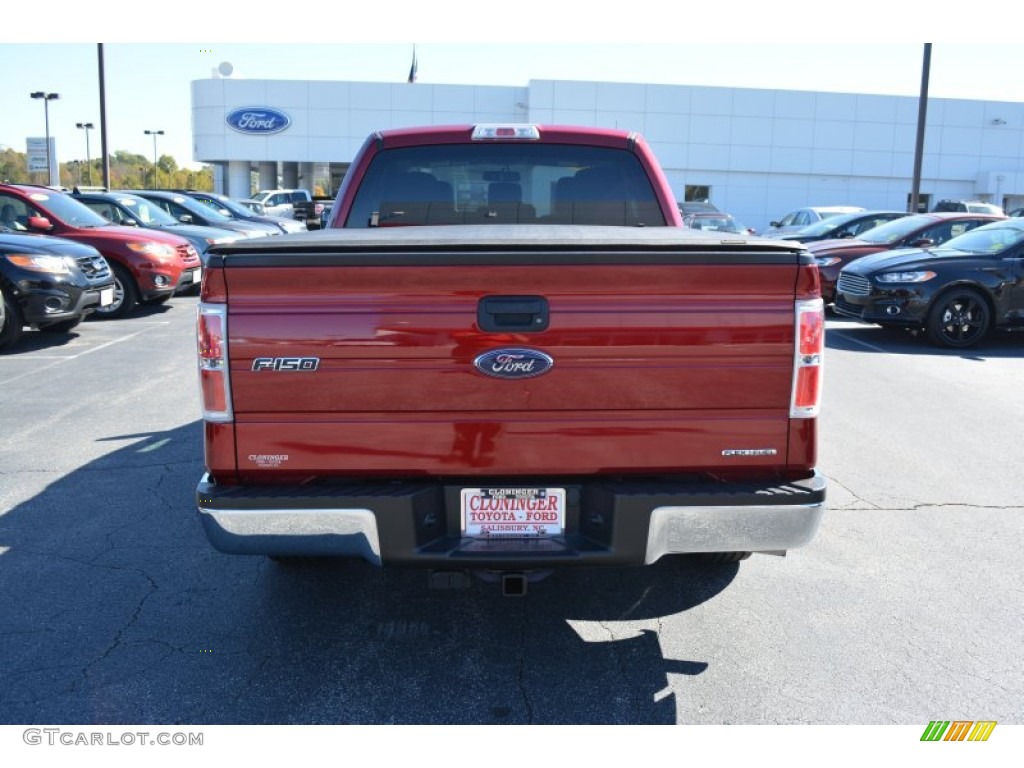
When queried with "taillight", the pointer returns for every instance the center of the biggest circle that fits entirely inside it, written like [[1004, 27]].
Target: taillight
[[214, 381], [807, 356]]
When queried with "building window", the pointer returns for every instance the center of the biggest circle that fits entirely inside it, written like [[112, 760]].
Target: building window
[[924, 203], [697, 193]]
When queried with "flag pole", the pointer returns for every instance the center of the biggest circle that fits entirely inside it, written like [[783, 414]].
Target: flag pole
[[412, 69]]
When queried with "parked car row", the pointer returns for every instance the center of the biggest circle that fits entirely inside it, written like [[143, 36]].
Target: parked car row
[[955, 294], [797, 220], [825, 222], [925, 230], [147, 264], [132, 210], [953, 275], [843, 225], [237, 210], [65, 255]]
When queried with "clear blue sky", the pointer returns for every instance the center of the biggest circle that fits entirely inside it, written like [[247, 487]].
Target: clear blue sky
[[148, 82]]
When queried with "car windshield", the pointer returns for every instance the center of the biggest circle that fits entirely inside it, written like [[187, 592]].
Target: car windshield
[[68, 210], [896, 230], [220, 204], [147, 212], [987, 239], [199, 209], [829, 214], [832, 223]]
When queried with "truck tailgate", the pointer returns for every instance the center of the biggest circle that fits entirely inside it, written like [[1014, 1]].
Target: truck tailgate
[[669, 353]]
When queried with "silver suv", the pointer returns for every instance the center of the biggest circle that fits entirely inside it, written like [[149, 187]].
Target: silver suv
[[967, 206], [281, 202]]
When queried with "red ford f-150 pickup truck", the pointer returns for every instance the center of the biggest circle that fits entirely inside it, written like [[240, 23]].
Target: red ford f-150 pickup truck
[[510, 398]]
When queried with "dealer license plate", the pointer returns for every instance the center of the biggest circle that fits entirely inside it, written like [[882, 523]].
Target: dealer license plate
[[197, 274], [106, 297], [513, 512]]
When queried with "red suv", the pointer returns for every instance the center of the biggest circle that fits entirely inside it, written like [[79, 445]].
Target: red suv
[[147, 265]]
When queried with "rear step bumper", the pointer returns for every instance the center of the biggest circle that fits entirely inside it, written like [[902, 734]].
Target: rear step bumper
[[418, 523]]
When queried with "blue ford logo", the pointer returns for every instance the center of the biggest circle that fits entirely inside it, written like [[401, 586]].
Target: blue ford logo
[[513, 363], [260, 120]]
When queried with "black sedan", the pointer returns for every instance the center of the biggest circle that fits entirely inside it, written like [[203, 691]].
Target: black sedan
[[956, 293], [842, 226]]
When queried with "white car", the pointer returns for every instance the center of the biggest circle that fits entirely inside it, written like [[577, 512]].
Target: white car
[[281, 202], [804, 217]]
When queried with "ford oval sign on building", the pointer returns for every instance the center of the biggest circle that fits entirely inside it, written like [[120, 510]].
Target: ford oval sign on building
[[258, 120], [513, 363]]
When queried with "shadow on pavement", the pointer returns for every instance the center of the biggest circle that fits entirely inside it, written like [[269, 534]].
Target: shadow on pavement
[[117, 610]]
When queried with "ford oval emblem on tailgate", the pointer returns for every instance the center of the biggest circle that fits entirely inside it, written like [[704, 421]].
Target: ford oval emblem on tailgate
[[261, 120], [513, 363]]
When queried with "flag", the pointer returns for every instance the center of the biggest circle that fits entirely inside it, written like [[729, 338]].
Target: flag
[[412, 69]]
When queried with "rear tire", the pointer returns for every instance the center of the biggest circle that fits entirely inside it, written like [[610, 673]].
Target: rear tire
[[126, 295], [14, 323]]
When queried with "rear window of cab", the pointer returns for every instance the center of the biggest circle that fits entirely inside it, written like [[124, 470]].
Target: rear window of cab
[[495, 183]]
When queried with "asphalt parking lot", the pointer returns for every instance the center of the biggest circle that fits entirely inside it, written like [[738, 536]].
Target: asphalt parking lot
[[114, 609]]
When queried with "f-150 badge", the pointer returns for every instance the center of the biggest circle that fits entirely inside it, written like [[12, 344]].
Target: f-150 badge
[[513, 363], [286, 363]]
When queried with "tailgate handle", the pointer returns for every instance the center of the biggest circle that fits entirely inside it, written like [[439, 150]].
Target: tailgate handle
[[512, 313]]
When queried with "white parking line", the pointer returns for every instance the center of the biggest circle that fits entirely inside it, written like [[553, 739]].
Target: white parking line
[[58, 360], [858, 341]]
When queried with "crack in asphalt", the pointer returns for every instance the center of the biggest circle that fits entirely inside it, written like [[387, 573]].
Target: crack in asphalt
[[917, 506], [153, 588], [847, 489]]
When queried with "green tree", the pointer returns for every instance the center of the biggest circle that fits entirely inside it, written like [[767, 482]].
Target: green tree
[[167, 164], [13, 166], [127, 171]]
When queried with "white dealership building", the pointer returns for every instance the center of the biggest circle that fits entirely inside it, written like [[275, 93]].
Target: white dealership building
[[755, 153]]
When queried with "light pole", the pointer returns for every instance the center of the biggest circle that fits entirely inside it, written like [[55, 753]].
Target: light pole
[[88, 157], [47, 98], [154, 134]]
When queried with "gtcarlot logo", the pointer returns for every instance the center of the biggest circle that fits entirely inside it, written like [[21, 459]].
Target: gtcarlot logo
[[961, 729], [69, 738]]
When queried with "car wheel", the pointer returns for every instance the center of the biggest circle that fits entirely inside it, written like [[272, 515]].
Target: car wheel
[[126, 295], [721, 558], [64, 326], [14, 323], [959, 318]]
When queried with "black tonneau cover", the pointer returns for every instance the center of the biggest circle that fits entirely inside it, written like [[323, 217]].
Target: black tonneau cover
[[571, 243]]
